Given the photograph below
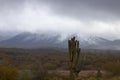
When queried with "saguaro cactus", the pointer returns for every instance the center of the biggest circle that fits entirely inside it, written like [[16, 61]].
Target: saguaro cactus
[[74, 57]]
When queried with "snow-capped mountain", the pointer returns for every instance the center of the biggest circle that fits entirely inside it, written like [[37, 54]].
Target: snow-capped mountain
[[35, 40], [3, 37], [92, 40], [6, 35], [31, 40]]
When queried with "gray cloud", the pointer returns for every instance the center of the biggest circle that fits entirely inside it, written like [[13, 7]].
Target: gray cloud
[[79, 9], [86, 9], [99, 17]]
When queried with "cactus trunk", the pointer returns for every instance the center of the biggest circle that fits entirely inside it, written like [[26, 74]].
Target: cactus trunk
[[74, 57]]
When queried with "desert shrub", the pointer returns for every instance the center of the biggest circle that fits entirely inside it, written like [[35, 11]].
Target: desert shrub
[[8, 73], [50, 66], [55, 76], [38, 71], [99, 74], [113, 67], [25, 75]]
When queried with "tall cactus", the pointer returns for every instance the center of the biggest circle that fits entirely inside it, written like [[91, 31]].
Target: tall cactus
[[74, 57]]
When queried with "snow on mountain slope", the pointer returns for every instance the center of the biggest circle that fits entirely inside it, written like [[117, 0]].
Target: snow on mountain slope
[[33, 40], [3, 37], [92, 40], [6, 35]]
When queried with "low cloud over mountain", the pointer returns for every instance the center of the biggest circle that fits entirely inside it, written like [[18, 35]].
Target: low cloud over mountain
[[37, 40]]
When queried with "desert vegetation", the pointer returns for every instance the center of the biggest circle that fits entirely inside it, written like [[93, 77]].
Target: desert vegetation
[[53, 64]]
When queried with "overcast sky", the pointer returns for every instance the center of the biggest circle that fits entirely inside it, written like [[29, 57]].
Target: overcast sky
[[89, 17]]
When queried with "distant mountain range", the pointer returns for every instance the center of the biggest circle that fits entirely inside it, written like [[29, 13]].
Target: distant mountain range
[[35, 40], [3, 37]]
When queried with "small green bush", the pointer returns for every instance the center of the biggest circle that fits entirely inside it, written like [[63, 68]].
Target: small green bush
[[8, 73]]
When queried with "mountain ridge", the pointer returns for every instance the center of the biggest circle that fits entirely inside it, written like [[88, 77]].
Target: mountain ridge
[[36, 40]]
